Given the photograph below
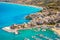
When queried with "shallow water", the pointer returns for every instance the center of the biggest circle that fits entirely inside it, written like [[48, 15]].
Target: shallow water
[[14, 13]]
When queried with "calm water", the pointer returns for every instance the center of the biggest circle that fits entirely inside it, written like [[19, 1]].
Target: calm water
[[15, 13]]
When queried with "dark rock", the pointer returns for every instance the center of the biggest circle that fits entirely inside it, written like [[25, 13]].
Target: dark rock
[[28, 18]]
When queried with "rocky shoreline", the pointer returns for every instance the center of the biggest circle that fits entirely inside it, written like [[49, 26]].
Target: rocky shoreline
[[45, 19]]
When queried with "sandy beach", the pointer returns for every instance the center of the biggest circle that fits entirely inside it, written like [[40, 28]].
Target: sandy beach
[[56, 30]]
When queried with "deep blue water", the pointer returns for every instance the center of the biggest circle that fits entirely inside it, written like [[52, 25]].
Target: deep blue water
[[15, 13]]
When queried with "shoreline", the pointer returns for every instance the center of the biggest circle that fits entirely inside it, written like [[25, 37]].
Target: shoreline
[[56, 30], [12, 30], [23, 5], [8, 29]]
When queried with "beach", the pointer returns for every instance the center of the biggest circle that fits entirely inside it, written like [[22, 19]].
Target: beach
[[56, 30]]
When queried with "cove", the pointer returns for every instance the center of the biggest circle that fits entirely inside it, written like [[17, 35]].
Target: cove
[[14, 13]]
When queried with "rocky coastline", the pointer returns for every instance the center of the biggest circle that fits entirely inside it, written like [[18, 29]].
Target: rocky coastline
[[44, 19]]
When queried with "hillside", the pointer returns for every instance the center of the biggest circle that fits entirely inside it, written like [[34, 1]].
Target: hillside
[[54, 4]]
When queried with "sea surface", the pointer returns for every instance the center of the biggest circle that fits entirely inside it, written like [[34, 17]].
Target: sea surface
[[15, 14]]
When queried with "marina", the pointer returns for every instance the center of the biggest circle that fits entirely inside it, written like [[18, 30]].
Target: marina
[[27, 22]]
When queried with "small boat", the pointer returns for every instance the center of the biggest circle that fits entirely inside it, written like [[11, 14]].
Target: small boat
[[35, 38], [26, 39], [43, 29]]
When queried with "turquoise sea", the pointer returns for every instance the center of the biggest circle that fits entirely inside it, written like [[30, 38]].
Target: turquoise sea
[[15, 13]]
